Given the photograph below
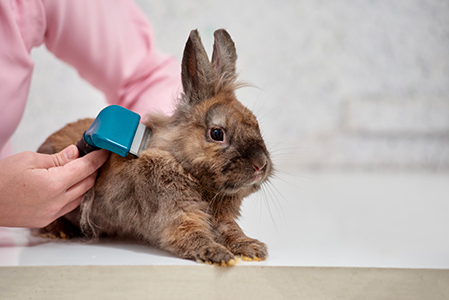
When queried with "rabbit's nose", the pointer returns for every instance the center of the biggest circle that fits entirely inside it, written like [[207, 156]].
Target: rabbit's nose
[[258, 169], [259, 163]]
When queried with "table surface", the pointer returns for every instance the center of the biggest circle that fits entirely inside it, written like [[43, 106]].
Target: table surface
[[380, 220]]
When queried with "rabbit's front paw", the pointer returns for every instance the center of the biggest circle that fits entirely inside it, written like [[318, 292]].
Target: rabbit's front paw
[[250, 250], [217, 255]]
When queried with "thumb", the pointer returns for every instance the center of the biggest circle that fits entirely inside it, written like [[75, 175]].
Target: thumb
[[64, 156]]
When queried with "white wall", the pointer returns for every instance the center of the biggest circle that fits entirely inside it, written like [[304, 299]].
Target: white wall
[[358, 84]]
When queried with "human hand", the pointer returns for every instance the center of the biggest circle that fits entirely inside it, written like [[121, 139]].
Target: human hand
[[36, 189]]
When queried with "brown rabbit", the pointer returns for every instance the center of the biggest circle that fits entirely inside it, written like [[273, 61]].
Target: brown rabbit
[[184, 192]]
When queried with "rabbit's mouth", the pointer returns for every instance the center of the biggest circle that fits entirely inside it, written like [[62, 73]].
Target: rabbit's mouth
[[254, 183], [248, 183], [259, 176]]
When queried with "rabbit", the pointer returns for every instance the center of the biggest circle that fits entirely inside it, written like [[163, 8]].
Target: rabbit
[[183, 193]]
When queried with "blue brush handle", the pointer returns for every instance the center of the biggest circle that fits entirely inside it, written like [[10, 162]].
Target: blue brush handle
[[113, 129]]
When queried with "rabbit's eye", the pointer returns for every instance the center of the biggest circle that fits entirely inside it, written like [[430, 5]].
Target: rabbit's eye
[[217, 134]]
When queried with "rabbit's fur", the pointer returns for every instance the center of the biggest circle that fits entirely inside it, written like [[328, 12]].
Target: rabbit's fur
[[184, 192]]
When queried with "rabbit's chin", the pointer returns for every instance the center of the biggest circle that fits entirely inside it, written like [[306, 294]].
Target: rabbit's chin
[[246, 187], [242, 190]]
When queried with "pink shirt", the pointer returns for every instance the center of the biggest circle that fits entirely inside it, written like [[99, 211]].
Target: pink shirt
[[109, 42]]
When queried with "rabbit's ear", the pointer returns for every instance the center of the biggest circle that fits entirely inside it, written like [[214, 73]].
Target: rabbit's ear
[[197, 72], [224, 55]]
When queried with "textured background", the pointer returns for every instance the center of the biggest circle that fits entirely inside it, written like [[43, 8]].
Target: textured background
[[340, 84]]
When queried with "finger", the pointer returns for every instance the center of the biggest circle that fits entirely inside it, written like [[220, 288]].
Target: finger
[[58, 159], [70, 206], [81, 187], [77, 170], [77, 192]]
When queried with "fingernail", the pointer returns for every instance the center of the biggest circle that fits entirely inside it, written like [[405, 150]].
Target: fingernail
[[71, 152]]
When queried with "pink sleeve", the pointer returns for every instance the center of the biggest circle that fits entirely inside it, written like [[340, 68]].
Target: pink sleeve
[[111, 44]]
